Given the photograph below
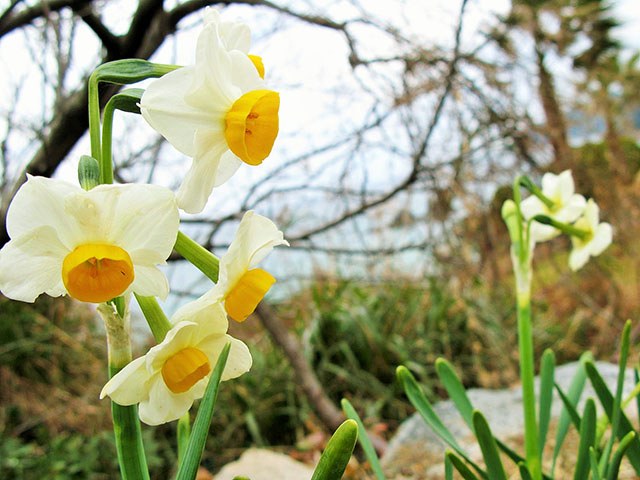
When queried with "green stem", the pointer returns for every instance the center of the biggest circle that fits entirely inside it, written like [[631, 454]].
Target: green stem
[[184, 430], [94, 116], [157, 320], [581, 233], [126, 426], [204, 260], [533, 188], [106, 164]]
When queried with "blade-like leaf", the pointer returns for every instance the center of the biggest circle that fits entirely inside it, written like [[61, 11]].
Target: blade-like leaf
[[524, 471], [614, 466], [337, 453], [587, 440], [460, 466], [487, 443], [189, 466], [363, 438], [593, 460], [569, 408], [419, 401], [606, 399], [455, 389], [573, 394], [448, 469], [546, 397]]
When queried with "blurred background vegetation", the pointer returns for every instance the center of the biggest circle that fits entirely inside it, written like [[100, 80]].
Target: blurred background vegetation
[[401, 272]]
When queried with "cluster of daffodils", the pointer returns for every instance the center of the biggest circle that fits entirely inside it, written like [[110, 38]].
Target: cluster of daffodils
[[558, 209], [102, 243]]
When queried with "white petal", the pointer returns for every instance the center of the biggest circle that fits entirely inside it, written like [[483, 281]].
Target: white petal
[[229, 164], [244, 73], [572, 210], [578, 258], [542, 233], [564, 186], [163, 405], [165, 109], [140, 217], [206, 311], [254, 240], [129, 386], [550, 184], [239, 360], [149, 281], [592, 214], [31, 264], [601, 239], [40, 202], [532, 206], [200, 180]]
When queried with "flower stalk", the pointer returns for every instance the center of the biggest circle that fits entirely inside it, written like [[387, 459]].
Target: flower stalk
[[199, 256]]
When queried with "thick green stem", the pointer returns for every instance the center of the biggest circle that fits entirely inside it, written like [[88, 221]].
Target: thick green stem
[[126, 426], [157, 320], [204, 260], [106, 164], [94, 117]]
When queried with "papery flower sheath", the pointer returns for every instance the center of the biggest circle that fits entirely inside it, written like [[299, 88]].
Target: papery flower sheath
[[217, 111], [93, 245], [599, 237], [167, 380], [567, 205], [241, 286]]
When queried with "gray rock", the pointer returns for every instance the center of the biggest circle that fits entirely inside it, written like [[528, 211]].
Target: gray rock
[[415, 447], [259, 464]]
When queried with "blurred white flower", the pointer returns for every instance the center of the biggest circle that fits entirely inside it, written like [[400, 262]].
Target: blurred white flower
[[217, 111], [567, 205], [597, 240], [172, 375], [93, 245], [240, 285]]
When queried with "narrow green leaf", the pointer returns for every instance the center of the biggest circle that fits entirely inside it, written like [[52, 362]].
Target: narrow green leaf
[[363, 438], [337, 453], [569, 408], [606, 399], [614, 466], [525, 474], [573, 394], [419, 401], [595, 473], [487, 443], [184, 430], [636, 377], [198, 437], [546, 396], [587, 440], [460, 466], [448, 469], [455, 389], [615, 417]]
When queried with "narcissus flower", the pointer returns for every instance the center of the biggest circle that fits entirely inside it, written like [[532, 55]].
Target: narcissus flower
[[167, 380], [93, 245], [598, 238], [241, 286], [567, 205], [217, 111]]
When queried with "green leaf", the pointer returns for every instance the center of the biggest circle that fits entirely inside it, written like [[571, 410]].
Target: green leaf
[[636, 377], [363, 438], [573, 394], [524, 471], [184, 430], [615, 418], [131, 457], [569, 408], [614, 466], [448, 469], [546, 396], [198, 437], [606, 399], [419, 401], [595, 473], [587, 440], [337, 453], [460, 466], [487, 443], [130, 70]]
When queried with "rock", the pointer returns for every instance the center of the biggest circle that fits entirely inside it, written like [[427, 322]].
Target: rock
[[417, 451], [259, 464]]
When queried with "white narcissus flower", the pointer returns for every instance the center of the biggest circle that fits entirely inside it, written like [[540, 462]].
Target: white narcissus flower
[[567, 205], [93, 245], [167, 380], [240, 285], [217, 111], [596, 241]]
